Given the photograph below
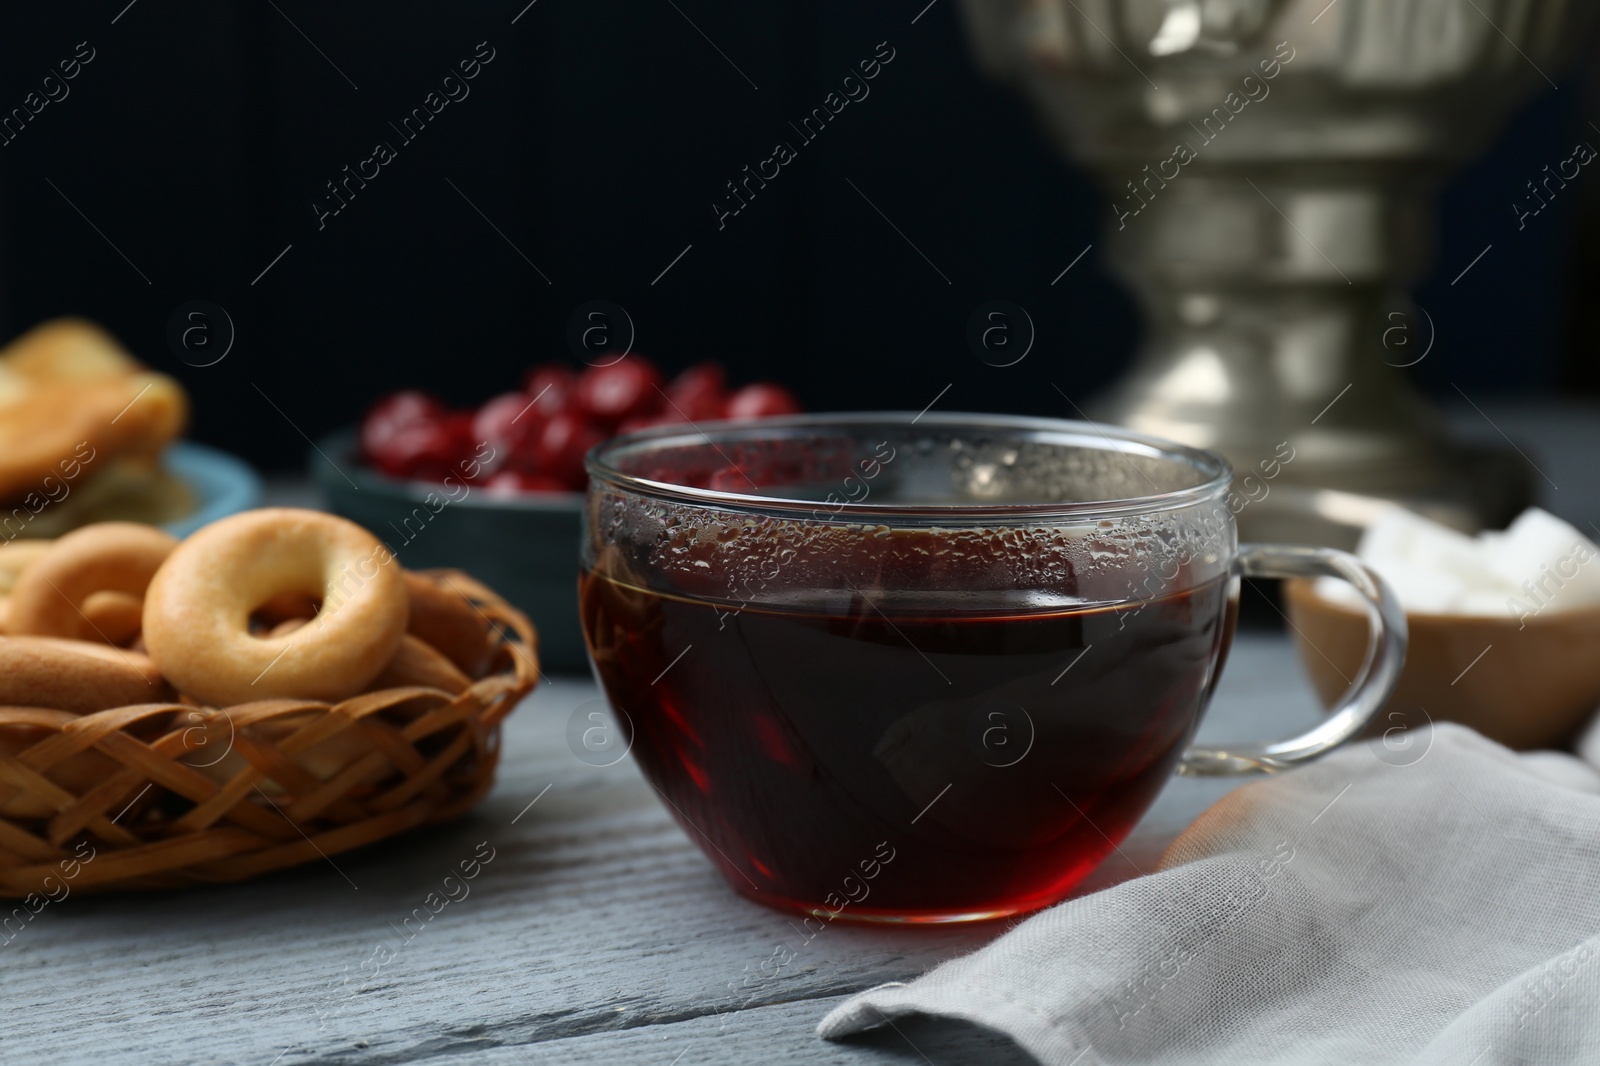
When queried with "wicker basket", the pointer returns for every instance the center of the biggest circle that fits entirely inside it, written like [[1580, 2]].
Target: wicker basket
[[297, 780]]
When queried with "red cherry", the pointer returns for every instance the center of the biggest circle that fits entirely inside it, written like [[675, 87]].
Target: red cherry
[[459, 425], [549, 385], [392, 412], [516, 482], [613, 394], [407, 405], [700, 393], [525, 454], [505, 423], [762, 400], [424, 450], [561, 445]]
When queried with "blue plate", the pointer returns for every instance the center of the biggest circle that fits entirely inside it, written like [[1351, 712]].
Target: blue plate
[[222, 484]]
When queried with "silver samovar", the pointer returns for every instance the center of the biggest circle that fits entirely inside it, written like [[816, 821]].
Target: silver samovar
[[1271, 166]]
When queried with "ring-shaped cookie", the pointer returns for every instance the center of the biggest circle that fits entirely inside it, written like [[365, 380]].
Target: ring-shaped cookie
[[49, 595], [198, 607]]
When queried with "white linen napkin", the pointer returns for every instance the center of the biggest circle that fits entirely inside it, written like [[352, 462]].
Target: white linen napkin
[[1445, 910]]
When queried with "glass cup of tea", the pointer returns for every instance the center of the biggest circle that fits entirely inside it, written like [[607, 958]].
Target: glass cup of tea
[[926, 668]]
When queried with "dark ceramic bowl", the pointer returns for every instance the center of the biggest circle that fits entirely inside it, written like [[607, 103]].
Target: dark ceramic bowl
[[526, 549]]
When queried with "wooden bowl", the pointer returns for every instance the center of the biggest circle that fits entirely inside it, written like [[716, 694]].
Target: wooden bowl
[[1526, 685]]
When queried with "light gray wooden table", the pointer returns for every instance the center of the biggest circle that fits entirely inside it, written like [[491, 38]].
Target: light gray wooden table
[[596, 932]]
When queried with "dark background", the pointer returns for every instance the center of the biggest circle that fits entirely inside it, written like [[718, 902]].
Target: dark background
[[198, 138]]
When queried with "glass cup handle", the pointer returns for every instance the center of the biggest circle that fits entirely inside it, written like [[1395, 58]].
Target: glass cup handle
[[1374, 681]]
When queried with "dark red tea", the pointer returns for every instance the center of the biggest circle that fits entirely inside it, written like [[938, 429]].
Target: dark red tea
[[886, 760]]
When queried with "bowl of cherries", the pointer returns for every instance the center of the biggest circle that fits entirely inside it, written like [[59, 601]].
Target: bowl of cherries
[[498, 489]]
